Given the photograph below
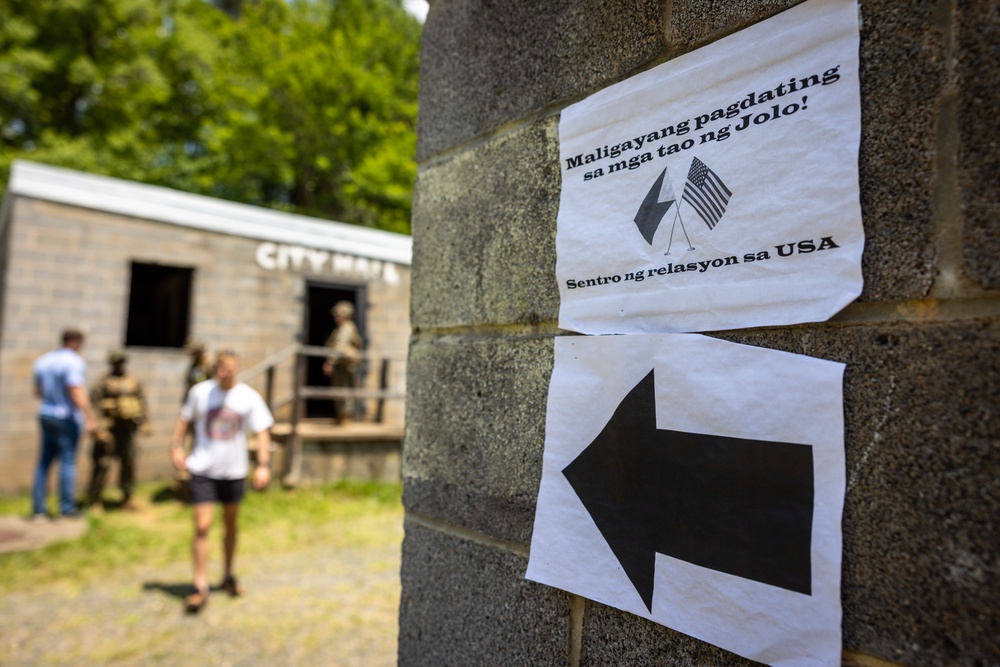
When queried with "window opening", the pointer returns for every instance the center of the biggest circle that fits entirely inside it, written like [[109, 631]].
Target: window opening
[[159, 305]]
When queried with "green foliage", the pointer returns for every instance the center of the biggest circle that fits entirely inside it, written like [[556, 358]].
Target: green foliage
[[304, 105]]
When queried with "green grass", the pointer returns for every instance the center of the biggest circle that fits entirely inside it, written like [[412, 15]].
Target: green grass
[[273, 521]]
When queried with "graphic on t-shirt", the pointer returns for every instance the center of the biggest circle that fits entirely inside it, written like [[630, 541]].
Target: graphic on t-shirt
[[223, 423]]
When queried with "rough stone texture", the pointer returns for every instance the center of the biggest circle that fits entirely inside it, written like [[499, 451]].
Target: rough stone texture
[[484, 234], [612, 637], [921, 568], [468, 604], [485, 63], [695, 24], [903, 71], [978, 62], [475, 432]]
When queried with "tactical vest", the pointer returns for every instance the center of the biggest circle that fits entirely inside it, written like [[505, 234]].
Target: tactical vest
[[121, 398]]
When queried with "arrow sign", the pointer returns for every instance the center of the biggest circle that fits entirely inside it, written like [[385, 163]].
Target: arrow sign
[[743, 507], [687, 500]]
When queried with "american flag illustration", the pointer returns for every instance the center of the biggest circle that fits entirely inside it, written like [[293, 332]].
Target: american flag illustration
[[706, 193]]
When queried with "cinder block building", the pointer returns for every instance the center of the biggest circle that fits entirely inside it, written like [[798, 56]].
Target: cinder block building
[[144, 268]]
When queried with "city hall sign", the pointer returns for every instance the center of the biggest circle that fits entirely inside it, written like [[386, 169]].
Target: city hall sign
[[281, 257]]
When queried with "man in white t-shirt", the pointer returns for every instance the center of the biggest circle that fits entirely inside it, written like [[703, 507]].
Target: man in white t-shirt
[[222, 410]]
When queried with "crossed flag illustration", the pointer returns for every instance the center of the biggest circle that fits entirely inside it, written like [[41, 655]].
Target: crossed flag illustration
[[704, 191]]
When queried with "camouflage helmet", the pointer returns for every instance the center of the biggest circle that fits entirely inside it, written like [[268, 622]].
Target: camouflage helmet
[[344, 309], [193, 344], [117, 356]]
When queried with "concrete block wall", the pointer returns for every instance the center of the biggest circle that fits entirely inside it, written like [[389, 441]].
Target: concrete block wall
[[921, 570], [388, 315]]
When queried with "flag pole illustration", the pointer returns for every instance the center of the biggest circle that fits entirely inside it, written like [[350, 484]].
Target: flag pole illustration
[[670, 243], [654, 206], [704, 191]]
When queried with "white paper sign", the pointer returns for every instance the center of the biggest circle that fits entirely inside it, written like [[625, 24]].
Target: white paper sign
[[718, 190], [700, 484]]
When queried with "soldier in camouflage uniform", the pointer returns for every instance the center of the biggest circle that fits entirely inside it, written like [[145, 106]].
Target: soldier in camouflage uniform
[[201, 365], [345, 352], [120, 404]]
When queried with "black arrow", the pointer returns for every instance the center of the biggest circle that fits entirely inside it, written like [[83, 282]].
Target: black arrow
[[652, 209], [743, 507]]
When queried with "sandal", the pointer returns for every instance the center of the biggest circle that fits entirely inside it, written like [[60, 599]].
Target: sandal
[[196, 601], [232, 586]]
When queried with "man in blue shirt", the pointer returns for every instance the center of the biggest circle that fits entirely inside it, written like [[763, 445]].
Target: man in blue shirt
[[60, 383]]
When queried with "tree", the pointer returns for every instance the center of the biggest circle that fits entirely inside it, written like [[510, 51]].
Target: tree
[[110, 87], [307, 106]]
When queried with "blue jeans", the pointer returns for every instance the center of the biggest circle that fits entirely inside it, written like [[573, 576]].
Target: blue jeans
[[59, 438]]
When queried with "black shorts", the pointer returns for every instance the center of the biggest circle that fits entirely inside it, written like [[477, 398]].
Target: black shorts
[[208, 490]]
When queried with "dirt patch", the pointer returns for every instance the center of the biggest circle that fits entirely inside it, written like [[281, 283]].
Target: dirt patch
[[323, 604], [20, 534]]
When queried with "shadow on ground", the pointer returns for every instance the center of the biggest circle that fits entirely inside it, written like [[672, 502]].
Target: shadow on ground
[[178, 591]]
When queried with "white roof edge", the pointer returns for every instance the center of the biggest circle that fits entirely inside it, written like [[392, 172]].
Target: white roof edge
[[152, 202]]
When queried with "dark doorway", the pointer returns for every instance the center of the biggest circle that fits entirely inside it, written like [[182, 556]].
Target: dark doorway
[[318, 326]]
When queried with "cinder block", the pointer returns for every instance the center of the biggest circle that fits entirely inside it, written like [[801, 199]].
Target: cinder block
[[921, 572], [978, 67], [613, 637], [475, 431], [467, 604], [484, 234], [695, 23], [484, 64], [900, 107]]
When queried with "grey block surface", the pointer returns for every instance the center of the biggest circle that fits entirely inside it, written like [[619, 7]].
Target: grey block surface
[[484, 234], [467, 604], [700, 22], [613, 637], [978, 65], [489, 62], [921, 569], [476, 431], [902, 76]]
